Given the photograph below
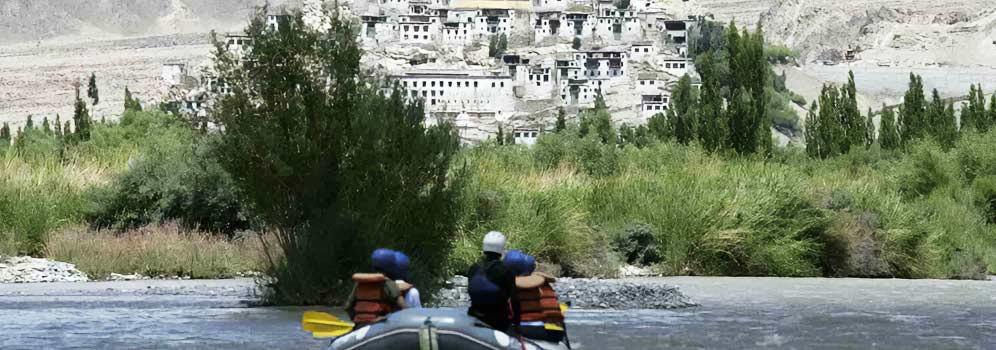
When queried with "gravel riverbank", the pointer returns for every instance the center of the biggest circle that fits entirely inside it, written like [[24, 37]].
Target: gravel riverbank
[[583, 293], [639, 293]]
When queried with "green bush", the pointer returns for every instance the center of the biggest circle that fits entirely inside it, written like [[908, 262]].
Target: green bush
[[175, 181], [781, 54], [638, 245], [985, 196], [923, 172]]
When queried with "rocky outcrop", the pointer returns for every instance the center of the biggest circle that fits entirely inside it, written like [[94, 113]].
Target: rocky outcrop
[[590, 294], [32, 270]]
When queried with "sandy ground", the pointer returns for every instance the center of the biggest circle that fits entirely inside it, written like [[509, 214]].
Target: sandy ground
[[38, 78]]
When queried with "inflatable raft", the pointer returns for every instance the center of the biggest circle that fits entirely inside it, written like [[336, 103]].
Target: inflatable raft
[[434, 329]]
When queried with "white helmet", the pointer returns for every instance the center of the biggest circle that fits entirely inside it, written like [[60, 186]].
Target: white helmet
[[494, 242]]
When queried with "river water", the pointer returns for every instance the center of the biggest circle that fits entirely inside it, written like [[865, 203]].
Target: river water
[[735, 313]]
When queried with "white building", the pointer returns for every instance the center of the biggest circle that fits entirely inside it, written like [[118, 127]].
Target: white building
[[461, 91], [653, 104], [173, 73]]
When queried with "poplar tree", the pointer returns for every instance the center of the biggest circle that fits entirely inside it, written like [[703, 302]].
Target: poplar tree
[[81, 118], [948, 127], [561, 124], [30, 124], [970, 113], [888, 137], [681, 114], [91, 90], [45, 126], [711, 113], [5, 135], [814, 146], [869, 129], [854, 124], [58, 126], [750, 128], [912, 113]]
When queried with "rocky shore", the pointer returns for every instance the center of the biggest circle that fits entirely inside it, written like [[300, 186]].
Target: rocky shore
[[23, 269], [584, 293], [639, 293]]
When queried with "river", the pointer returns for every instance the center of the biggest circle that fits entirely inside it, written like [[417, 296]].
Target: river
[[735, 313]]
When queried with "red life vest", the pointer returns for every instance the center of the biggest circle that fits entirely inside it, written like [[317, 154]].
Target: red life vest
[[371, 303], [538, 299]]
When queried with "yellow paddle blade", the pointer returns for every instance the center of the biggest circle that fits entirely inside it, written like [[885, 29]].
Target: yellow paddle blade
[[323, 325], [563, 307], [553, 327]]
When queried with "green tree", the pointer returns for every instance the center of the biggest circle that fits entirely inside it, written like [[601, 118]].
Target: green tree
[[991, 116], [5, 135], [658, 127], [502, 44], [681, 114], [81, 117], [91, 90], [576, 43], [598, 121], [622, 4], [971, 111], [131, 103], [67, 130], [329, 161], [711, 114], [493, 46], [913, 112], [888, 136], [561, 120], [814, 145], [30, 124], [500, 139], [854, 125], [869, 129], [45, 126], [58, 126], [750, 126], [948, 127]]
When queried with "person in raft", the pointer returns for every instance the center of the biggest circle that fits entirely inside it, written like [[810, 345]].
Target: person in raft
[[541, 315], [401, 275], [375, 295], [493, 297]]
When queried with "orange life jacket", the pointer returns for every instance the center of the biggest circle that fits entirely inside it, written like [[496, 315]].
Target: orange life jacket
[[371, 302], [538, 299]]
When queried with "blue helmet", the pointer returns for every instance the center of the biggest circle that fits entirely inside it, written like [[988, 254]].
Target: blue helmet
[[515, 260], [402, 266], [530, 262], [383, 260]]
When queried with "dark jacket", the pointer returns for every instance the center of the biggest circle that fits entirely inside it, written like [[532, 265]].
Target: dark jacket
[[494, 311]]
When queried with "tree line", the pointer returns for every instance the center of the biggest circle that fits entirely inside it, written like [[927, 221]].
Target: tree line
[[835, 125]]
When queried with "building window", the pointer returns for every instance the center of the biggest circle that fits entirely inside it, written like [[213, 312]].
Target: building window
[[450, 84], [433, 84], [475, 84], [423, 84], [502, 84], [667, 65], [492, 84], [643, 82]]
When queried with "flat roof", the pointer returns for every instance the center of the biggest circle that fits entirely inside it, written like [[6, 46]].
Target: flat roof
[[453, 75]]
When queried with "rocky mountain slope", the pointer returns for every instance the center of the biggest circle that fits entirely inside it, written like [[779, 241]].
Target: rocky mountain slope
[[894, 32], [32, 20]]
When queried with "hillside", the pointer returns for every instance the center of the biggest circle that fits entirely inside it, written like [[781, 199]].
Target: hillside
[[33, 20]]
